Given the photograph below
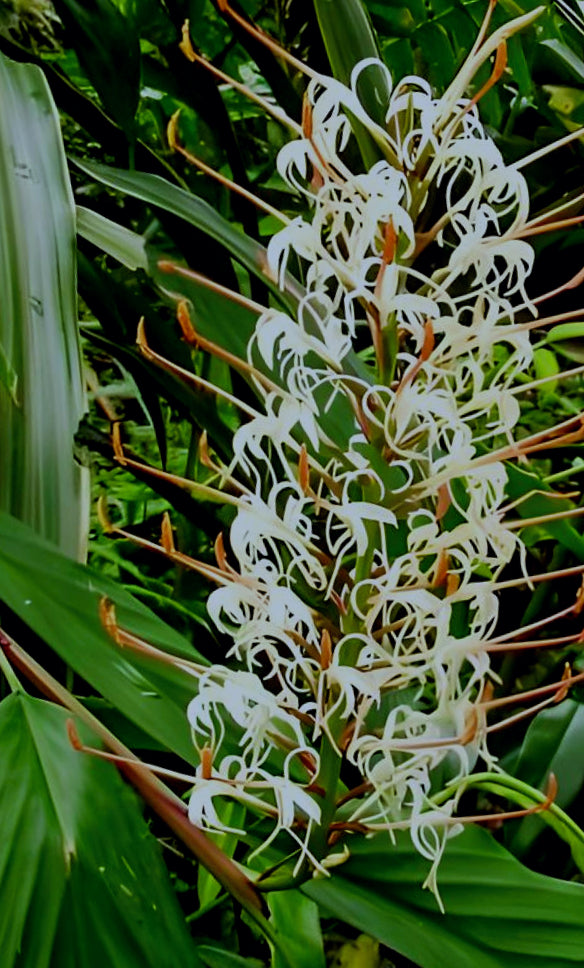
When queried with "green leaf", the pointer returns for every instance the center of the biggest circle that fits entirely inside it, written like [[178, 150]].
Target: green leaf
[[107, 45], [565, 331], [498, 913], [567, 57], [349, 38], [221, 958], [8, 377], [218, 316], [520, 484], [546, 366], [295, 918], [121, 243], [437, 50], [568, 339], [397, 21], [525, 796], [215, 316], [232, 814], [82, 881], [59, 600], [41, 388]]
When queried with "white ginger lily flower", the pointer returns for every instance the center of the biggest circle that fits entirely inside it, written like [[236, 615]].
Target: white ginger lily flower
[[371, 504], [241, 698]]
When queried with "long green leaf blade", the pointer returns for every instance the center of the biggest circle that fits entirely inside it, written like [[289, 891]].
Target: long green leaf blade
[[41, 395], [108, 46]]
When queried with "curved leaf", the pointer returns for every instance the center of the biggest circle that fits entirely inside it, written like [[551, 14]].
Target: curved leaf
[[121, 243], [536, 502], [295, 918], [348, 38], [552, 744]]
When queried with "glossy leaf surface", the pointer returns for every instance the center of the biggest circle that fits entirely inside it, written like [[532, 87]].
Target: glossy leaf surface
[[553, 744], [41, 391], [82, 881]]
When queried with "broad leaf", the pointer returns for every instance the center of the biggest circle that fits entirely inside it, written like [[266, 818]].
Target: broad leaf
[[348, 38], [221, 958], [81, 878], [59, 600], [41, 389], [296, 920], [536, 502], [567, 57], [498, 913], [567, 338]]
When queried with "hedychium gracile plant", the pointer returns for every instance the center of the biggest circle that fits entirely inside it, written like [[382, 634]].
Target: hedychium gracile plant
[[372, 518]]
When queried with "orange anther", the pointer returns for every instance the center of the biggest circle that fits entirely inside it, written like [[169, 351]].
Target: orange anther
[[117, 442], [166, 535], [102, 515], [172, 131], [441, 571], [579, 604], [74, 736], [206, 763], [303, 469], [390, 243], [563, 690], [186, 44], [306, 121], [551, 791], [444, 501], [107, 617], [220, 555], [185, 323], [326, 649]]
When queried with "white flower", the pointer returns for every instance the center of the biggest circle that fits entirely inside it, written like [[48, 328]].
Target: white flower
[[371, 504]]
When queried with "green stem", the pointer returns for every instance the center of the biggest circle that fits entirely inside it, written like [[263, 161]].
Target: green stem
[[563, 475], [524, 796], [9, 674], [327, 778]]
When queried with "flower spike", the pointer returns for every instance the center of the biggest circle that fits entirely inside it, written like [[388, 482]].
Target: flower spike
[[371, 486]]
